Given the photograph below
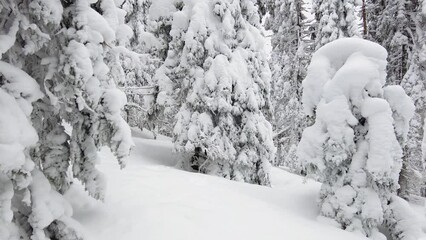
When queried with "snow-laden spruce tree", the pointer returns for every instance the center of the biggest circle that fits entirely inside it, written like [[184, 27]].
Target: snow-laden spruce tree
[[58, 64], [80, 83], [153, 65], [27, 200], [373, 10], [137, 19], [148, 45], [217, 73], [137, 66], [288, 65], [390, 25], [334, 19], [354, 146], [169, 26], [29, 206], [415, 85]]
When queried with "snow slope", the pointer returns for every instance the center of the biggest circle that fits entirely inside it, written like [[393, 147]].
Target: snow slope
[[150, 200]]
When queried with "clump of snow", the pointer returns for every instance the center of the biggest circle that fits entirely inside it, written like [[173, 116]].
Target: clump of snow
[[161, 8], [384, 156], [7, 40], [48, 11], [330, 58], [20, 85], [16, 130], [121, 142], [402, 109], [47, 205], [79, 62], [424, 7], [114, 100], [7, 229], [88, 17], [405, 223], [16, 133]]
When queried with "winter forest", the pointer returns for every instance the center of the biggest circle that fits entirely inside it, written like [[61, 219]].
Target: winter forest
[[212, 119]]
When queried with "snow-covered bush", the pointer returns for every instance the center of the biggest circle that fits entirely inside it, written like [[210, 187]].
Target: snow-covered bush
[[354, 147], [217, 76]]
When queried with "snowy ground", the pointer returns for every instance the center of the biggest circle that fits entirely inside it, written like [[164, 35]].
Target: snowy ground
[[152, 200]]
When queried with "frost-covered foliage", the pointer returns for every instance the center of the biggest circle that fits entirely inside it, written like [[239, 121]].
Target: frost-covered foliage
[[390, 25], [334, 19], [27, 200], [217, 76], [288, 62], [151, 23], [172, 73], [136, 65], [81, 85], [58, 64], [147, 53], [396, 25], [415, 85], [137, 19], [355, 145]]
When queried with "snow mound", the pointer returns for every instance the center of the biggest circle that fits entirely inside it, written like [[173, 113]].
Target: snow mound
[[151, 199]]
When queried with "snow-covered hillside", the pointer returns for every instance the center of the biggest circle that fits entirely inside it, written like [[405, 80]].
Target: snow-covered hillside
[[151, 199]]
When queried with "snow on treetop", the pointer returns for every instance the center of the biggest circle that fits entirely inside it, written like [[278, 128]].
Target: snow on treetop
[[87, 16], [326, 65], [161, 8]]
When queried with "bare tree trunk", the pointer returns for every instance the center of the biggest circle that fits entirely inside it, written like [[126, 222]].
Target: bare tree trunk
[[364, 19]]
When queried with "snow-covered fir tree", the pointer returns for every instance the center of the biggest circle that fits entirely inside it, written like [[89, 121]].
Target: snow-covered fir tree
[[150, 42], [355, 145], [58, 64], [36, 207], [217, 74], [81, 79], [334, 19], [373, 9], [389, 24], [137, 19], [415, 85], [169, 26], [137, 67], [288, 63]]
